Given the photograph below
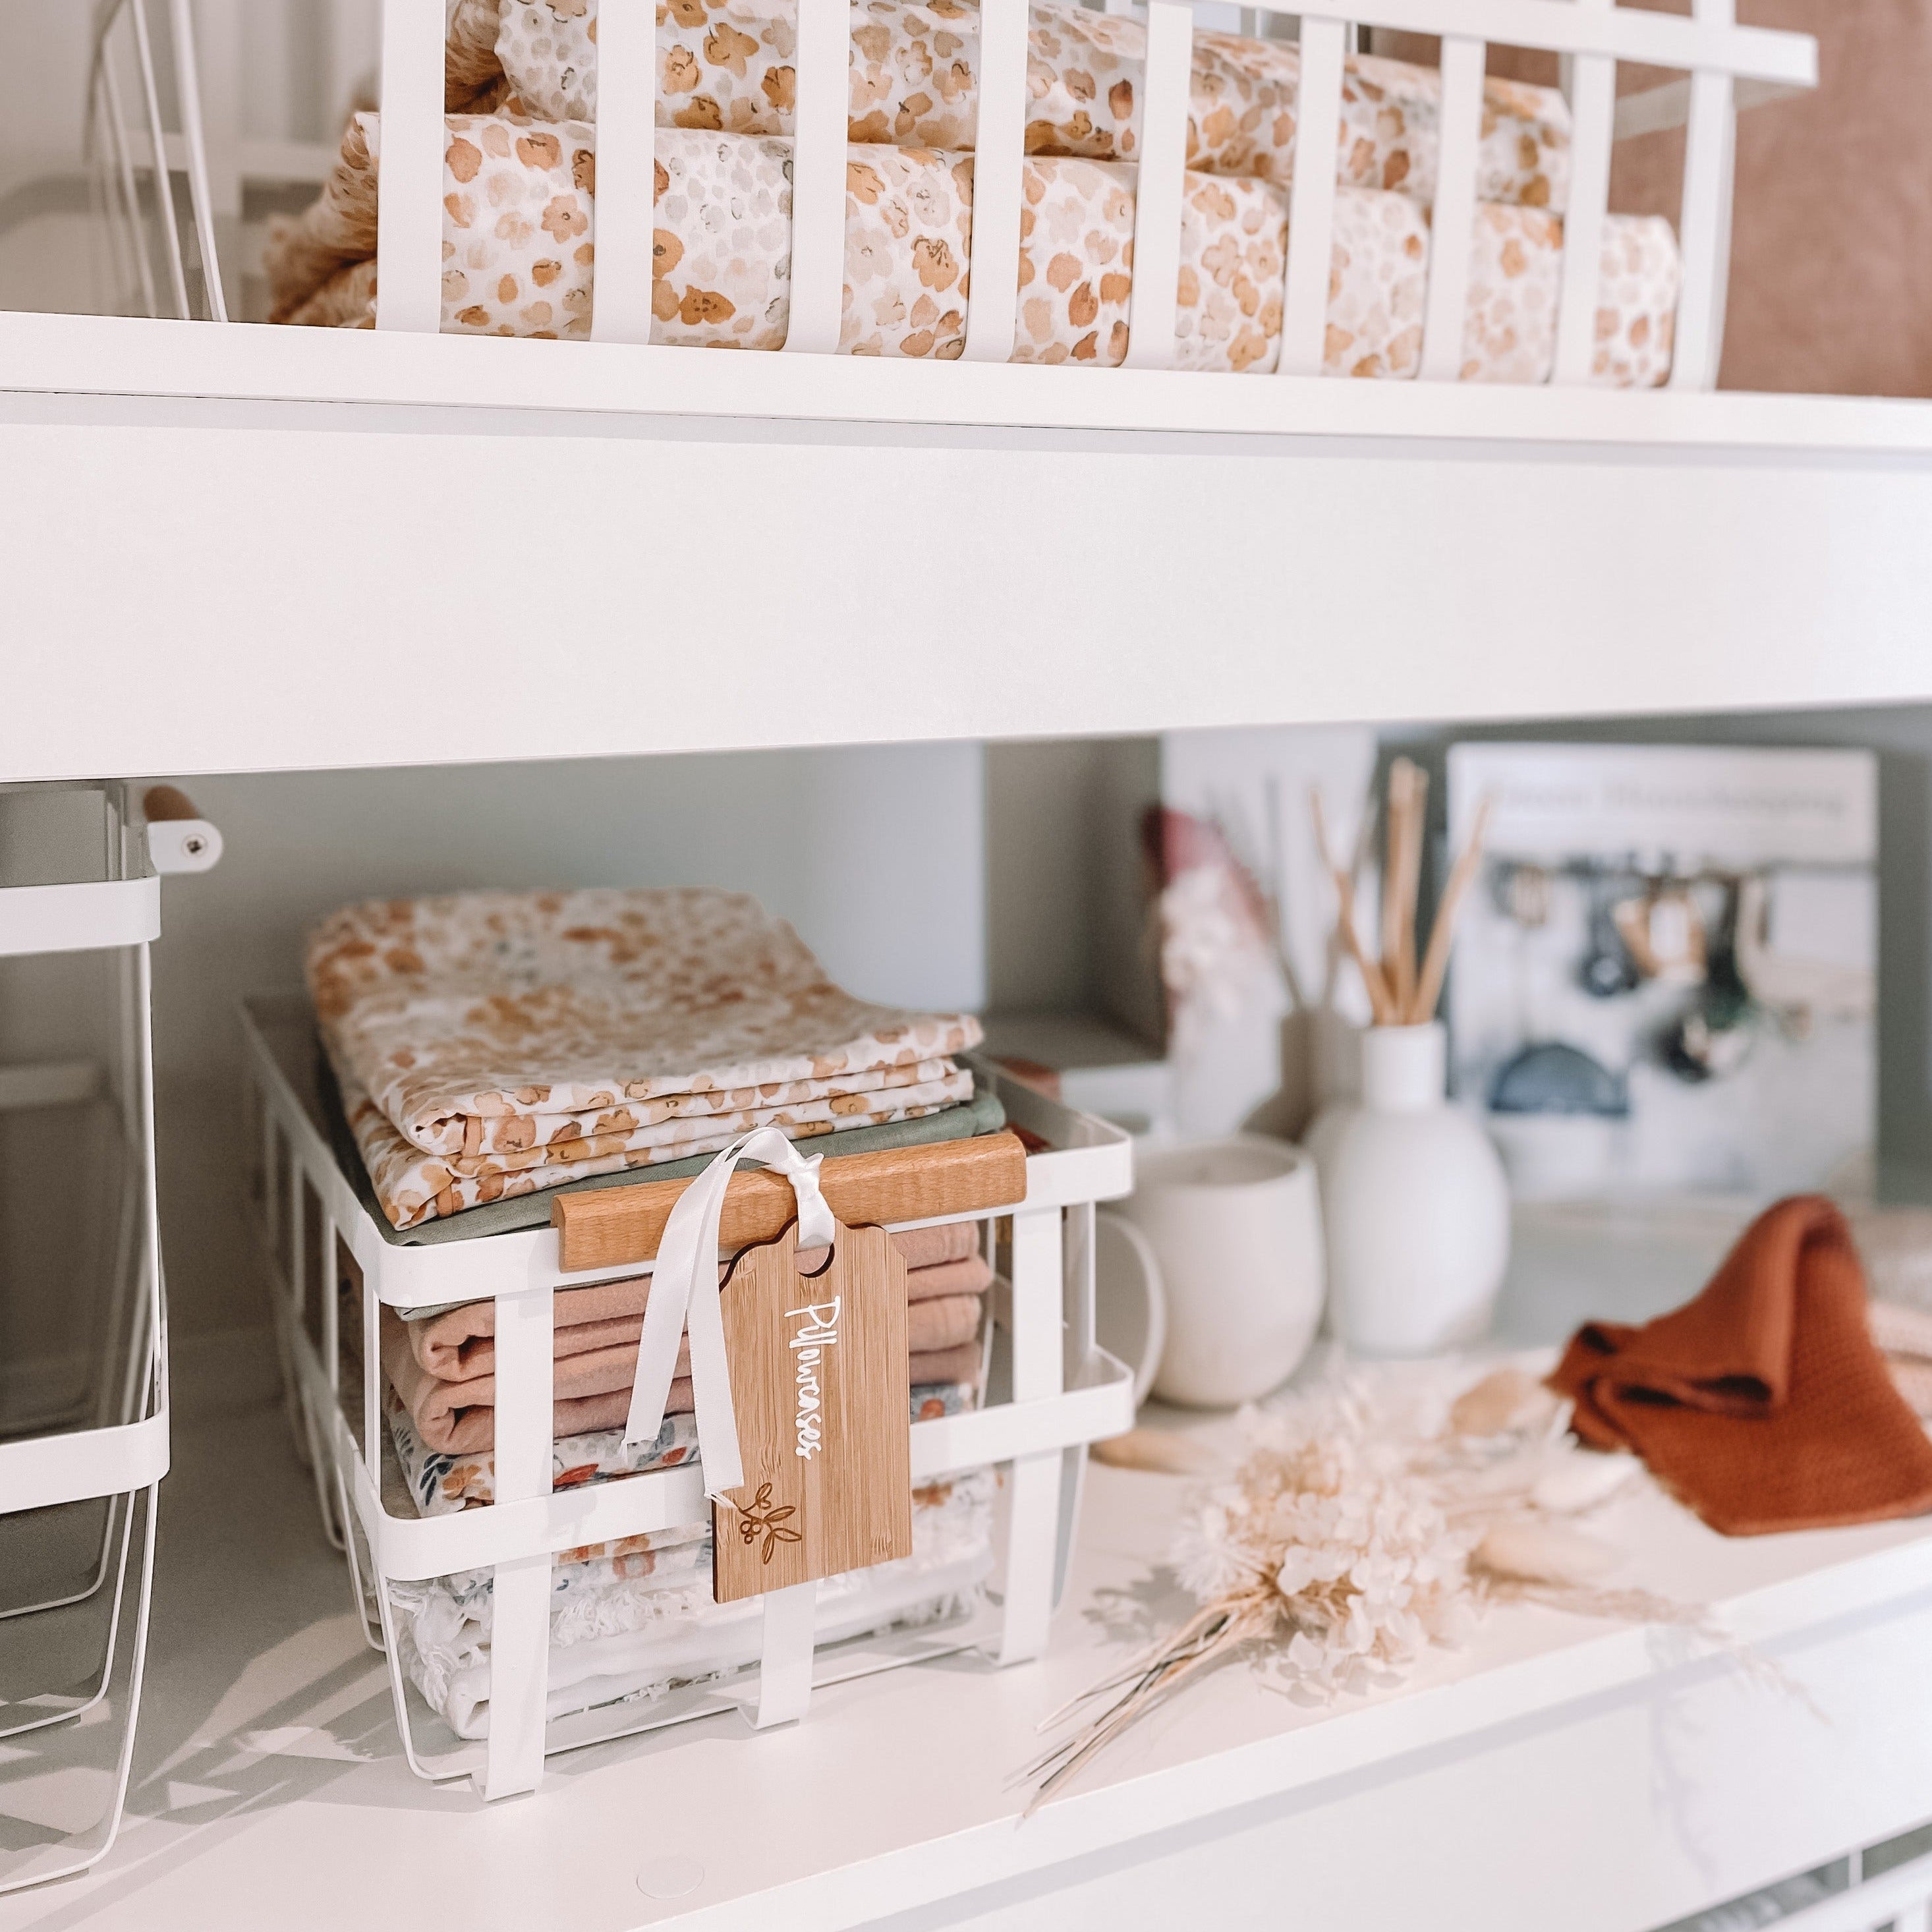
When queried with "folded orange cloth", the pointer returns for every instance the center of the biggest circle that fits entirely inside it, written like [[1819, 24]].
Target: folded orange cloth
[[1764, 1404], [458, 1346]]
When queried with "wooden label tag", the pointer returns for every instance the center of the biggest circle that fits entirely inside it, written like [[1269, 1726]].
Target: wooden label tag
[[818, 1379]]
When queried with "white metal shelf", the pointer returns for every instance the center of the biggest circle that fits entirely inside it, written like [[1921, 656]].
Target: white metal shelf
[[268, 600]]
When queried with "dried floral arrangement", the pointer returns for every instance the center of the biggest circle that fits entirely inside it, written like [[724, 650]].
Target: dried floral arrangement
[[1363, 1525]]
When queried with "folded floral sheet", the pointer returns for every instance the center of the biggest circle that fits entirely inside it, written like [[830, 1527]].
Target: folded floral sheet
[[728, 66], [519, 240], [494, 1043]]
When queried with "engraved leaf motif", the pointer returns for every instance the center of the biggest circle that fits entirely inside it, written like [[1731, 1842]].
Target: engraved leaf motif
[[764, 1518]]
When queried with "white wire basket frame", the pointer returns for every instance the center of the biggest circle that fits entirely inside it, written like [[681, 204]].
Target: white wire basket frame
[[126, 155], [1727, 64], [1052, 1390], [109, 1442]]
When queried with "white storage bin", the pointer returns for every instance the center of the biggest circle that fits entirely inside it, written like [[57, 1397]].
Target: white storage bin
[[83, 1401], [1050, 1390]]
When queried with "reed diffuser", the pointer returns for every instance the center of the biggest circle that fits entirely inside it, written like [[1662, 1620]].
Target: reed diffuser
[[1414, 1207]]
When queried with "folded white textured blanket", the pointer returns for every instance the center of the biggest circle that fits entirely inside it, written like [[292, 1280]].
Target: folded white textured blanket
[[636, 1624], [490, 1042]]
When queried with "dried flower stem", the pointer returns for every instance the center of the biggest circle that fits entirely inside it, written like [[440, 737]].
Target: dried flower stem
[[1436, 964], [1380, 1002]]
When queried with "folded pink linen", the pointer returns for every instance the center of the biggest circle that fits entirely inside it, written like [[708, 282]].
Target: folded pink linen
[[458, 1345], [443, 1366], [448, 1417]]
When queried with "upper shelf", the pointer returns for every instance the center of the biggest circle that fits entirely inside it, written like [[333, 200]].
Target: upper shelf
[[231, 549]]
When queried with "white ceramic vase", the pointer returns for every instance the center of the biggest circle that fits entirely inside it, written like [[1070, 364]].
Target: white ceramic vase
[[1236, 1226], [1415, 1208]]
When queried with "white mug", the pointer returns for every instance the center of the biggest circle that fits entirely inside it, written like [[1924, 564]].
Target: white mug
[[1129, 1300], [1236, 1227]]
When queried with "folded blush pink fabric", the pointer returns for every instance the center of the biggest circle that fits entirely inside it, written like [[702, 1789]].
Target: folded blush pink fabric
[[443, 1366], [458, 1346]]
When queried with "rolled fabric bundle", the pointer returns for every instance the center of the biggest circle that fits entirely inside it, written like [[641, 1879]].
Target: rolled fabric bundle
[[1076, 262], [728, 66], [1516, 276], [1234, 238], [519, 209], [519, 221], [1636, 302], [1516, 279], [1076, 268], [908, 238], [1379, 283], [1243, 112]]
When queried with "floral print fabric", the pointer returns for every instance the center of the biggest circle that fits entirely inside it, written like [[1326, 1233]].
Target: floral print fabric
[[1636, 302], [727, 66], [493, 1041], [1377, 285], [1243, 122], [1516, 282]]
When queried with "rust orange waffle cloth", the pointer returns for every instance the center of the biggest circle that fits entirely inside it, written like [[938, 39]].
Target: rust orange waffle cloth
[[1763, 1404]]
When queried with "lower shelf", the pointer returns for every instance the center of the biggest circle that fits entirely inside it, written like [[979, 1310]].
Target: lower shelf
[[1556, 1771]]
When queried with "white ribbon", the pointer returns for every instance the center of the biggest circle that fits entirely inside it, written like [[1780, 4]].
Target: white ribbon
[[684, 1288]]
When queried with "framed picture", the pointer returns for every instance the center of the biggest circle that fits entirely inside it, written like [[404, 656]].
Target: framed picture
[[1666, 978]]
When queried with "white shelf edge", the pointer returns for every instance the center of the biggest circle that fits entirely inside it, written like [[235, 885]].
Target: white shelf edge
[[109, 356]]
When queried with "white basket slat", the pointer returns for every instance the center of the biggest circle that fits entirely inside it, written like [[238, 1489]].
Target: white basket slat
[[1160, 182], [1452, 230], [1592, 85], [818, 178], [1311, 208], [627, 93], [409, 210], [999, 165], [1704, 222]]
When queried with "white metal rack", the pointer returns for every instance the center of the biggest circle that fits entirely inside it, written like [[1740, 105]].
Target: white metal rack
[[1053, 1391], [88, 1425]]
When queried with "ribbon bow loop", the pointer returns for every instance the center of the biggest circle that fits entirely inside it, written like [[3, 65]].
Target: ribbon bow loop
[[684, 1290]]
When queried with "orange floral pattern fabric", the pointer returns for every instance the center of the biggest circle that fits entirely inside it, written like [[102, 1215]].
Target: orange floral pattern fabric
[[1243, 111], [494, 1042], [1516, 281], [1379, 283], [729, 66]]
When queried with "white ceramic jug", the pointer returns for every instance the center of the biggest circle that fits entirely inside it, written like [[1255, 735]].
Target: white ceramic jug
[[1415, 1209]]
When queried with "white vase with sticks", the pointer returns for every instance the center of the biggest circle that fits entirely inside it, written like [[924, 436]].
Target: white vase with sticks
[[1415, 1207]]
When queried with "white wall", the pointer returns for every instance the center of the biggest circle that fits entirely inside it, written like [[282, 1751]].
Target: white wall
[[874, 854]]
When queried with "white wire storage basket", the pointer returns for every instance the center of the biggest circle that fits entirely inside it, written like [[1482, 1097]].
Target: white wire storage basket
[[1721, 66], [1049, 1391], [83, 1354]]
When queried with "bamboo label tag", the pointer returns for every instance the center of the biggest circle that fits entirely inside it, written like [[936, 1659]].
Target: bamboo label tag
[[818, 1380]]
